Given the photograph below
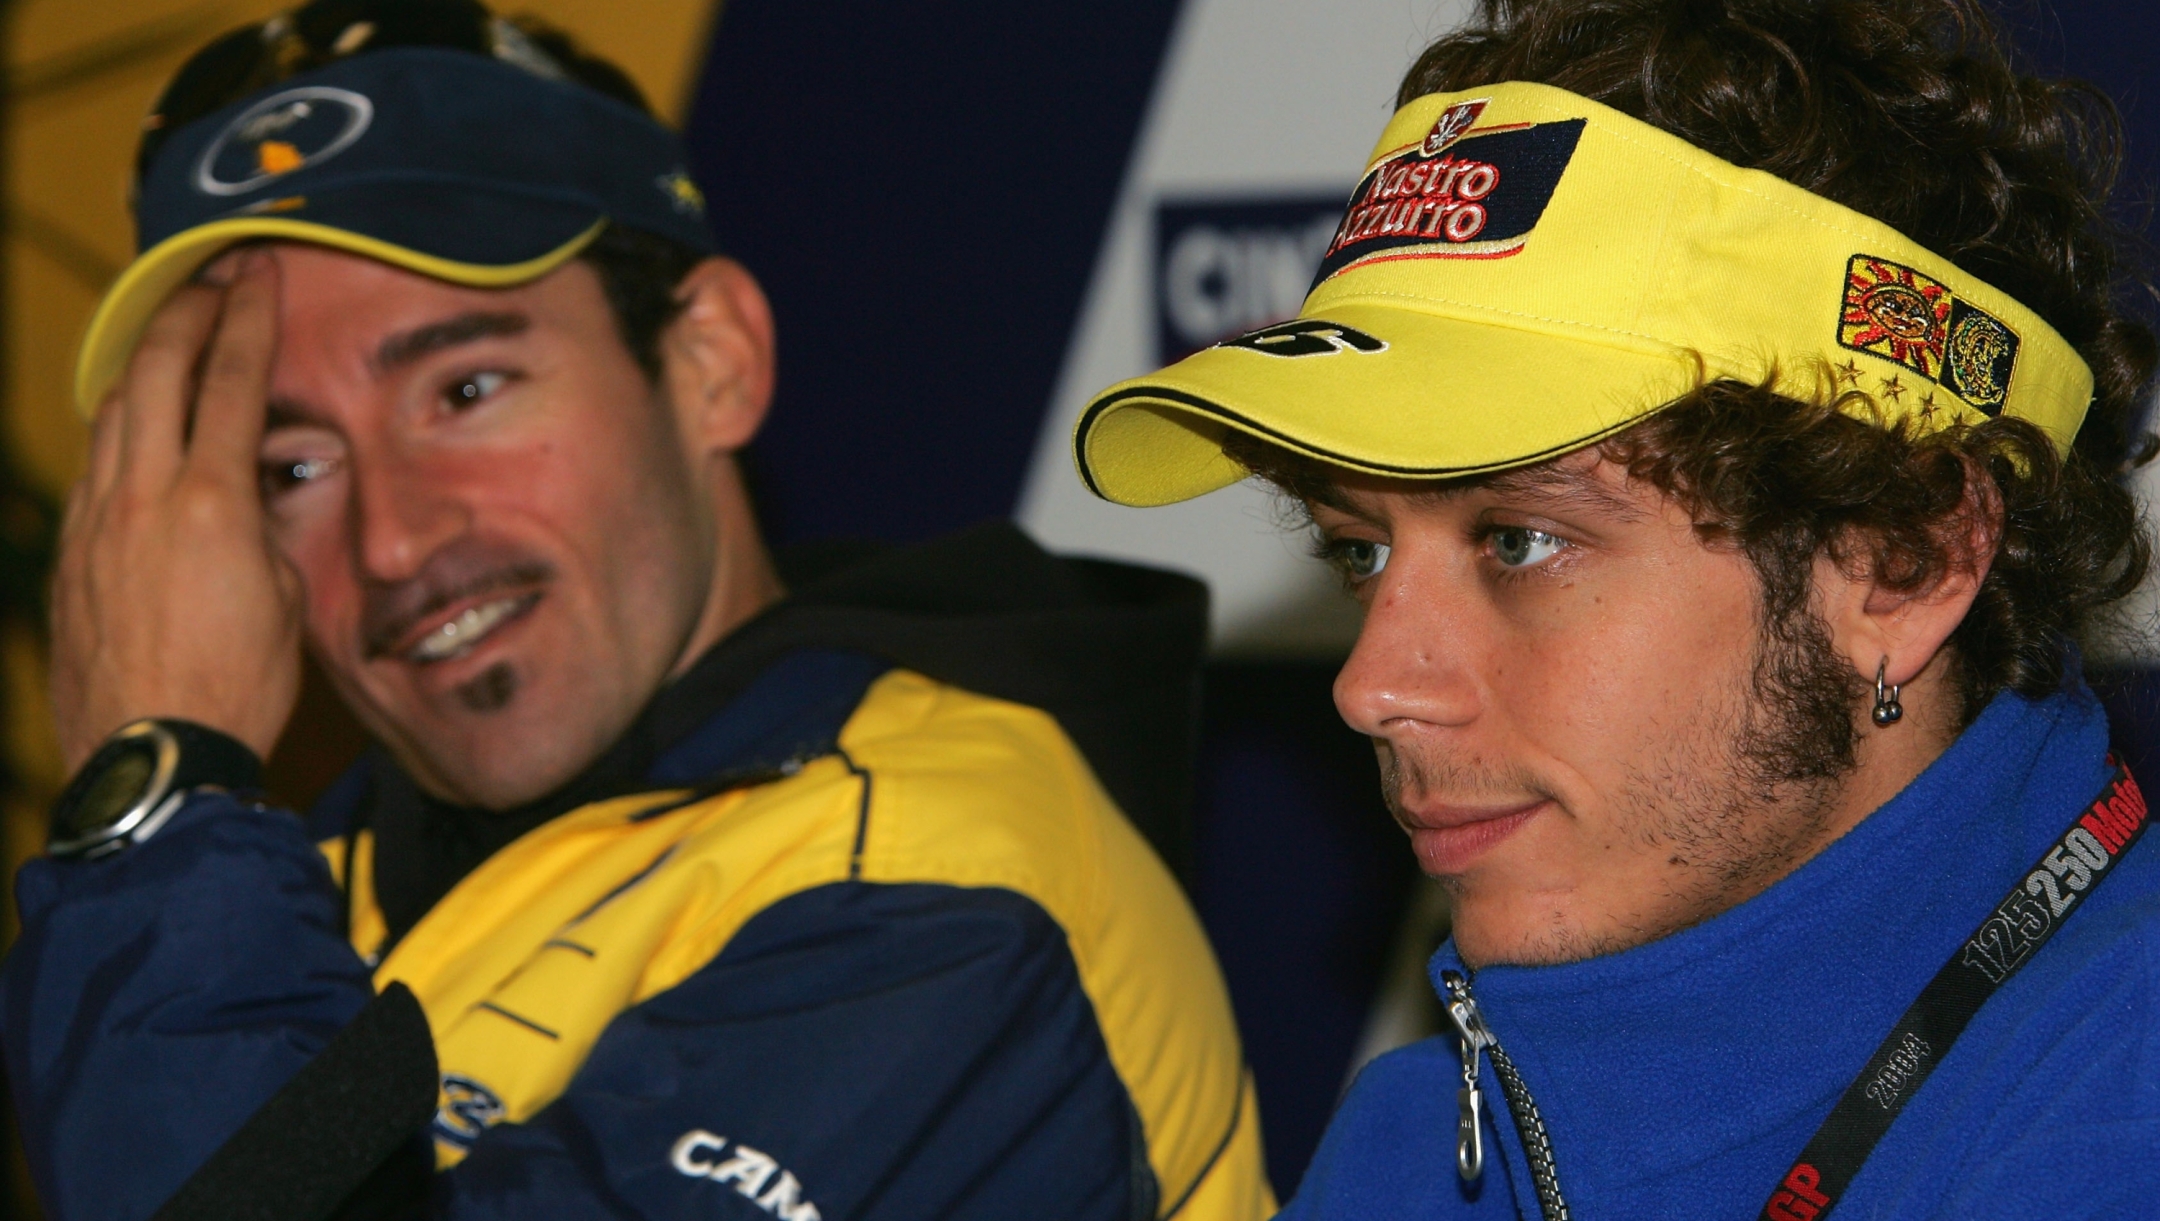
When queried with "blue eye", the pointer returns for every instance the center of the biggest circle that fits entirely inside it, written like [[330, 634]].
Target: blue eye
[[1522, 547], [1359, 559]]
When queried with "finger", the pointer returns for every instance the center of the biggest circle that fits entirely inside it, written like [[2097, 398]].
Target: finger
[[73, 521], [152, 397], [105, 432], [236, 377], [78, 503]]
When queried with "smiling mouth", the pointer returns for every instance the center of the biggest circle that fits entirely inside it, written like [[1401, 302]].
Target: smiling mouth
[[463, 632]]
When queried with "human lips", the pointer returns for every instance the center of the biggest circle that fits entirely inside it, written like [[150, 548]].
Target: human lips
[[466, 594], [460, 633], [1448, 839]]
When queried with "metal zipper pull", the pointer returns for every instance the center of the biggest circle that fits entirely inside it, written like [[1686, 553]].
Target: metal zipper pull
[[1470, 1101], [1469, 1136], [1477, 1038]]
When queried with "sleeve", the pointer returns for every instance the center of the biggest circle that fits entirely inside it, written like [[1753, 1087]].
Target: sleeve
[[856, 1051], [156, 998]]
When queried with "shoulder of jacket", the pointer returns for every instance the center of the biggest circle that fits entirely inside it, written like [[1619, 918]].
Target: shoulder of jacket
[[909, 722], [930, 784], [972, 790]]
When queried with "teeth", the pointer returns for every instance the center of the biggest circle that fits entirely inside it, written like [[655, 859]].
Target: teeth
[[465, 631]]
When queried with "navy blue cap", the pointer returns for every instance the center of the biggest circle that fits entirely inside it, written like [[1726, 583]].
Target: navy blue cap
[[445, 162]]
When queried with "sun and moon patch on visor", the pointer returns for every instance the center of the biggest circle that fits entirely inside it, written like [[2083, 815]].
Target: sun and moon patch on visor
[[1901, 315]]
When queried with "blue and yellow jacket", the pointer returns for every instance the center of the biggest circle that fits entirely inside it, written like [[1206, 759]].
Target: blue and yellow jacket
[[844, 941]]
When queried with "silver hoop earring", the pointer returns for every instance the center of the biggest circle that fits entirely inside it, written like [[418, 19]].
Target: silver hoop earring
[[1888, 711]]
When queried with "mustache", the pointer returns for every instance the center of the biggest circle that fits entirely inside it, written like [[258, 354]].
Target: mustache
[[1404, 773], [466, 569]]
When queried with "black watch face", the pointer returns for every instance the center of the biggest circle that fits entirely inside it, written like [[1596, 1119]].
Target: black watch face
[[118, 786]]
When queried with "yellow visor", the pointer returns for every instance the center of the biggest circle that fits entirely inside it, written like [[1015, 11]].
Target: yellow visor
[[1523, 272]]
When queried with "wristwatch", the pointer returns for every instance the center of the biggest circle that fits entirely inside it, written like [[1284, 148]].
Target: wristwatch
[[138, 778]]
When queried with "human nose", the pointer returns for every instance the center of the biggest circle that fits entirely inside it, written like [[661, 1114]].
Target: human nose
[[1411, 665], [401, 517]]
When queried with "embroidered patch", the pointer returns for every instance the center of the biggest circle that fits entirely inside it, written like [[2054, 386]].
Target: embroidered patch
[[683, 195], [1983, 355], [467, 1110], [697, 1154], [1896, 313], [1452, 124], [1901, 315], [284, 132], [1306, 337], [1477, 197]]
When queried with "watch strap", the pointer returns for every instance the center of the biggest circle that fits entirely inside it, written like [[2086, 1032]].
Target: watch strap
[[212, 756]]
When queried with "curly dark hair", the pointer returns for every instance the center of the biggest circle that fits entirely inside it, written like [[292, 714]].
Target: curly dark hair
[[1909, 111]]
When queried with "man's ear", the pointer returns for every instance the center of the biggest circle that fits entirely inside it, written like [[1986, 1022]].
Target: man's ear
[[1873, 622], [717, 357]]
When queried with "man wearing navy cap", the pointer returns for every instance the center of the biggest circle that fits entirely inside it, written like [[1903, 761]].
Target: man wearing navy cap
[[681, 881]]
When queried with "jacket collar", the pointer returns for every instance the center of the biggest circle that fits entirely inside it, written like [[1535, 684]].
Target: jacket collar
[[1732, 1039], [722, 724]]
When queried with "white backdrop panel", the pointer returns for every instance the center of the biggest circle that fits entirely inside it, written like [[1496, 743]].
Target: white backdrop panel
[[1263, 105]]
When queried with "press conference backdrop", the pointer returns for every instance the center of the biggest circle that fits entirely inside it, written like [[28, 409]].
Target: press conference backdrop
[[971, 214]]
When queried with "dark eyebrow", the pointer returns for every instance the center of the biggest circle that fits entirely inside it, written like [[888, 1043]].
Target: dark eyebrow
[[406, 347], [1570, 484], [1567, 484], [291, 413]]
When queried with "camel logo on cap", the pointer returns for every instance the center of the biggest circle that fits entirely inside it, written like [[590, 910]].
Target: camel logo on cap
[[1463, 192], [284, 132], [1902, 315]]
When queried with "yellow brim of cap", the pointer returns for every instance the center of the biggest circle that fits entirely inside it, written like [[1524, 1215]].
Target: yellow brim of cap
[[143, 287], [1413, 411]]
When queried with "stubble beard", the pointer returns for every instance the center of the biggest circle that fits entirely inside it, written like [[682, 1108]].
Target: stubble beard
[[1737, 811], [1736, 802]]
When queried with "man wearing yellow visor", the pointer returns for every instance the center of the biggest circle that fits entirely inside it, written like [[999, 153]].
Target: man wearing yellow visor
[[1717, 409], [687, 880]]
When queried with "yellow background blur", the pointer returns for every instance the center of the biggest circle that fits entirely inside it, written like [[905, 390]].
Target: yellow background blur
[[82, 75]]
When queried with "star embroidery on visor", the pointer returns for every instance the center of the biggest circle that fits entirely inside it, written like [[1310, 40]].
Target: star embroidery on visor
[[1893, 388], [1849, 372], [1927, 406]]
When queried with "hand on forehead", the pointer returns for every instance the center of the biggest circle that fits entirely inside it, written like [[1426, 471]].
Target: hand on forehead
[[220, 271]]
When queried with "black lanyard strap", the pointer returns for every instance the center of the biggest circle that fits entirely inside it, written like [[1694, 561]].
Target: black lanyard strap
[[2067, 872]]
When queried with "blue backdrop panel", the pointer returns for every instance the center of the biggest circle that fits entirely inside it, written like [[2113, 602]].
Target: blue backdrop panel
[[921, 185], [2110, 43]]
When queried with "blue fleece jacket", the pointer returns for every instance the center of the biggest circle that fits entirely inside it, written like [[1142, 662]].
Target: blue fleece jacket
[[1680, 1079]]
